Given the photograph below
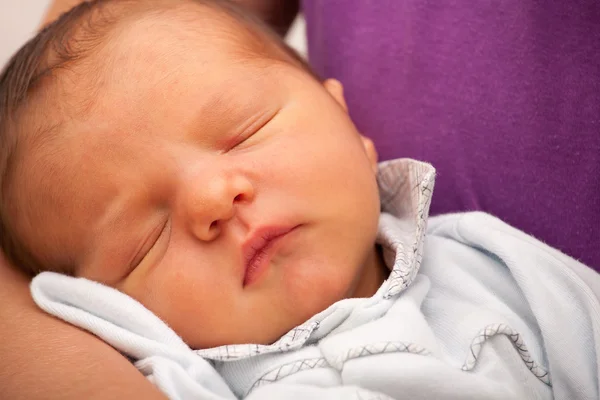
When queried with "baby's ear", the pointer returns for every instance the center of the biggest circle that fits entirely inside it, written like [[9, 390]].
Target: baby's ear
[[370, 151], [336, 90]]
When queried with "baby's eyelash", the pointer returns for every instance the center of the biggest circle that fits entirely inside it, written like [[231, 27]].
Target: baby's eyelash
[[252, 129], [149, 244], [240, 139]]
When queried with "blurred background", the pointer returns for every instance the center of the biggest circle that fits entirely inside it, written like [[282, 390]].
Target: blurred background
[[19, 20]]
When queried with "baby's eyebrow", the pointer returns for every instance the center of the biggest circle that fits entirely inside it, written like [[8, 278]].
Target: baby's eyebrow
[[221, 107], [227, 108]]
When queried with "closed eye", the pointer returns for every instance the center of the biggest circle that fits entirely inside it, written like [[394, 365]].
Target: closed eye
[[254, 125], [149, 244]]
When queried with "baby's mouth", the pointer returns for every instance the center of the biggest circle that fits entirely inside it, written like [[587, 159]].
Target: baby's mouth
[[259, 248]]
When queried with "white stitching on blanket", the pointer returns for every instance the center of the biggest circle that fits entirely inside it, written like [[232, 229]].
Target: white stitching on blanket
[[403, 347], [408, 260], [385, 347], [290, 369], [357, 352], [290, 341], [515, 337]]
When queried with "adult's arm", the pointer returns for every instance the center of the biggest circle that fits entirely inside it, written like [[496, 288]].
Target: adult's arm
[[44, 358], [278, 13]]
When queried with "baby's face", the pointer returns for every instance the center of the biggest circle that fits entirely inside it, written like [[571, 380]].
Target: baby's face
[[231, 196]]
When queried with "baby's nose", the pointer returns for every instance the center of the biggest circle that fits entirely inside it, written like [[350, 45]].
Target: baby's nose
[[212, 204]]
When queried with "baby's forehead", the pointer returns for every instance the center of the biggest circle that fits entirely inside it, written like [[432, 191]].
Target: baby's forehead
[[197, 26], [155, 37], [146, 42], [153, 47]]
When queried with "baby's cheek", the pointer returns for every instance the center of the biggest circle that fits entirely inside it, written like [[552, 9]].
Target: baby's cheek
[[318, 284], [191, 313]]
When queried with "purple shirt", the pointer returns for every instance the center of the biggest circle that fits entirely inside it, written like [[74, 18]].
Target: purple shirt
[[502, 97]]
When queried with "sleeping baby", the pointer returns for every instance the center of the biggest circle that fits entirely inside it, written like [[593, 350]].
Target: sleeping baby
[[183, 186]]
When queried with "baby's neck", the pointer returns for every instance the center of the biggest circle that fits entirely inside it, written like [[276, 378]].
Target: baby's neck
[[375, 272]]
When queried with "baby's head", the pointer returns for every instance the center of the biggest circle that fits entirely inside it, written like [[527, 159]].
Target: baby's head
[[181, 153]]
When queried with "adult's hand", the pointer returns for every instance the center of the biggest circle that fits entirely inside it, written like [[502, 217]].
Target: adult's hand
[[44, 358]]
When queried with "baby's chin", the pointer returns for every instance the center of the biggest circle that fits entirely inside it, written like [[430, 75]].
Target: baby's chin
[[260, 333], [299, 297]]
